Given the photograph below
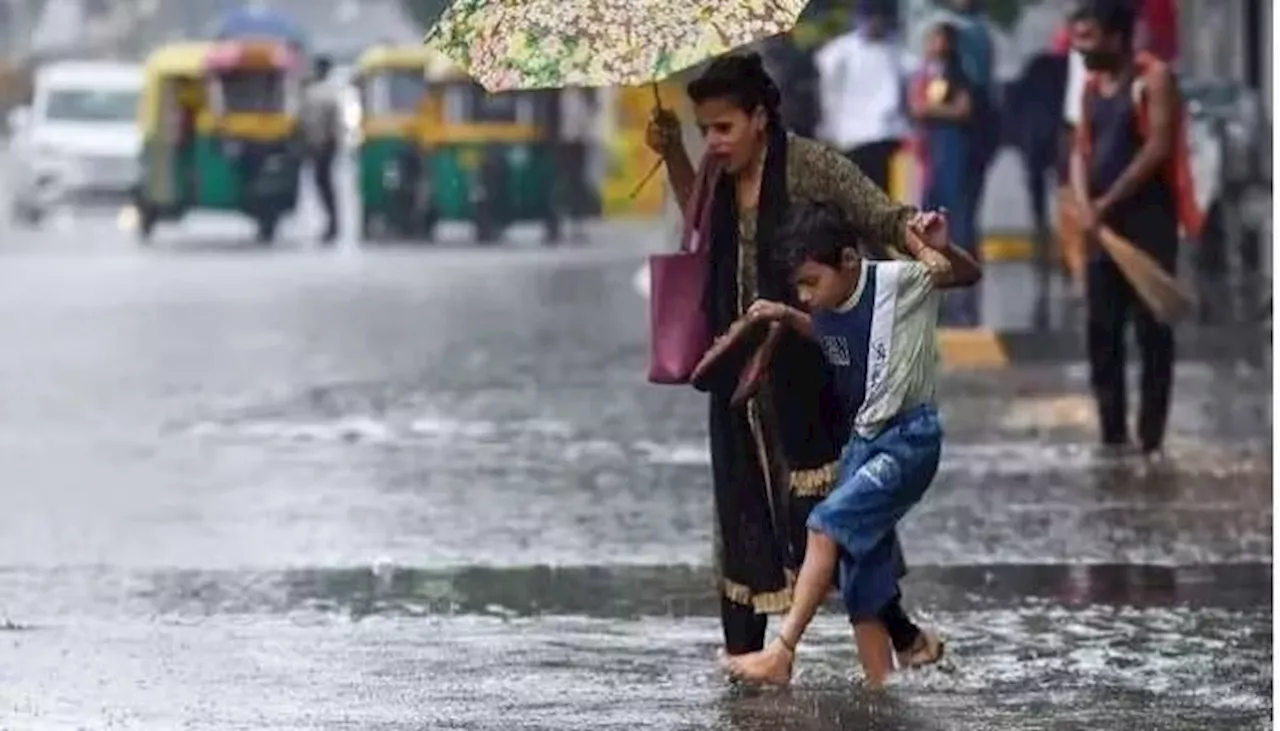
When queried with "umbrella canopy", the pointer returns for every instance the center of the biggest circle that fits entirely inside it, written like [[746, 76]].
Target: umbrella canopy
[[538, 44], [255, 22]]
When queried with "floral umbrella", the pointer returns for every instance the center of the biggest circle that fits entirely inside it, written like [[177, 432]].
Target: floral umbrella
[[541, 44]]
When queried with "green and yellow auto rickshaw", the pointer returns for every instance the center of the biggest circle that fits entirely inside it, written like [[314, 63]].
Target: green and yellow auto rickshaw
[[490, 157], [220, 132], [393, 98]]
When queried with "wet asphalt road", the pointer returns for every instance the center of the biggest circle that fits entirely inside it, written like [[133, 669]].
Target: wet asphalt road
[[395, 488]]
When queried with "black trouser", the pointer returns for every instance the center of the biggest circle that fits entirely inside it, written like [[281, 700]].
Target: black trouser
[[322, 171], [744, 629], [875, 159], [1111, 301], [575, 185]]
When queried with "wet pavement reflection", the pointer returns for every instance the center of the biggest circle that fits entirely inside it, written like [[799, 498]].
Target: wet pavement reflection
[[405, 489]]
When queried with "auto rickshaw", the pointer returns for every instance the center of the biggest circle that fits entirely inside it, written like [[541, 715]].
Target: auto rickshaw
[[393, 99], [220, 132], [490, 158]]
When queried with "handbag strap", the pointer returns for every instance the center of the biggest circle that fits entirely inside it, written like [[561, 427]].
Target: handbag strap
[[697, 214]]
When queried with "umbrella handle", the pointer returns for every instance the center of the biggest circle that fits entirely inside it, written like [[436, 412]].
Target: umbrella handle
[[645, 180], [657, 103]]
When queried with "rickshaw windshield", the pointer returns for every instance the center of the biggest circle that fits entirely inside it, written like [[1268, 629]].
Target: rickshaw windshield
[[471, 103], [252, 91], [393, 92]]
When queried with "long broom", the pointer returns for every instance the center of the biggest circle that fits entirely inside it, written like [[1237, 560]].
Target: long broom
[[1155, 286], [1168, 301]]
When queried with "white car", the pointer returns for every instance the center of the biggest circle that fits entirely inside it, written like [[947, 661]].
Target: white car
[[79, 141]]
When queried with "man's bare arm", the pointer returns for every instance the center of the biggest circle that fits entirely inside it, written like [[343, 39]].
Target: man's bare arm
[[1158, 146]]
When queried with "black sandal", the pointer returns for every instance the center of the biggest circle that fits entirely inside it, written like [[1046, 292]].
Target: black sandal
[[927, 650]]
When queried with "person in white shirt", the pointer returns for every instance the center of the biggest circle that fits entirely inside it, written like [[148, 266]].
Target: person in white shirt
[[577, 130], [322, 134], [862, 76]]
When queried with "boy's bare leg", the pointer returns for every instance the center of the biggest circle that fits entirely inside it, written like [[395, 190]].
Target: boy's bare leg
[[773, 663], [875, 651]]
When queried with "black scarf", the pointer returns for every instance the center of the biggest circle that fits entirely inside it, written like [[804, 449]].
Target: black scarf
[[811, 427]]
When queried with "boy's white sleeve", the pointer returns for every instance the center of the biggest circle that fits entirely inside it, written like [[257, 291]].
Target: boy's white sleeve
[[915, 285], [915, 279]]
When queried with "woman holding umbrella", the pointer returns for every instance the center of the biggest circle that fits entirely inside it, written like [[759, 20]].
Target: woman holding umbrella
[[774, 460]]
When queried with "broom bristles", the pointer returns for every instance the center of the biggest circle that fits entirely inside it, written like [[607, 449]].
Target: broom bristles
[[1154, 285], [1157, 288]]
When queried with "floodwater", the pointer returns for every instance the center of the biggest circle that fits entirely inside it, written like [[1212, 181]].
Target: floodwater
[[389, 488]]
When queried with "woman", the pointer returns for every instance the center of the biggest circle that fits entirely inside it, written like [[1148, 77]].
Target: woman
[[773, 461], [942, 103]]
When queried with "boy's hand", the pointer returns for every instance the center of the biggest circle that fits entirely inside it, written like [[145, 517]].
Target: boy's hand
[[931, 227], [767, 311]]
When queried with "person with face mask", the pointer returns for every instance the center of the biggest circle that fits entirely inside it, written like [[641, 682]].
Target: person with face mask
[[775, 457], [1129, 172]]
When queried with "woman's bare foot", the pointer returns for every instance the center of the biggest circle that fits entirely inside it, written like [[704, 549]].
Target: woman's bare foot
[[927, 650], [770, 666]]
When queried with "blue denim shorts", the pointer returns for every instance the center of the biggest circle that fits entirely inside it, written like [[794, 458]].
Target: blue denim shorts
[[880, 479]]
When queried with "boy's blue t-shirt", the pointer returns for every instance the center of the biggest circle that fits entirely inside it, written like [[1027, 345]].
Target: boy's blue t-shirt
[[882, 343]]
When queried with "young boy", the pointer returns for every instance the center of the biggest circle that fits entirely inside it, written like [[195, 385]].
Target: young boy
[[877, 323]]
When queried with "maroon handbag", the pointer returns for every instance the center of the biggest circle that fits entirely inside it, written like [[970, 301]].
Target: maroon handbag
[[678, 329]]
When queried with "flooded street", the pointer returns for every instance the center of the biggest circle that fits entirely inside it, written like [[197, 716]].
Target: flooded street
[[429, 488]]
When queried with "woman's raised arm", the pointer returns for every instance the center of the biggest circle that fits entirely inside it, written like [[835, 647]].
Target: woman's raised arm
[[831, 177]]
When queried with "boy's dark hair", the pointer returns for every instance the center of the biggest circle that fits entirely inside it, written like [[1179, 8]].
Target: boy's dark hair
[[741, 79], [817, 232], [1112, 16]]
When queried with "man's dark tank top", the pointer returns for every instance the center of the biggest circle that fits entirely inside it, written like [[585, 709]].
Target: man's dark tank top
[[1115, 142]]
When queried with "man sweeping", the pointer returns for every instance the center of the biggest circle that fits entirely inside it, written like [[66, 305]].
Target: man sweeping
[[1129, 174]]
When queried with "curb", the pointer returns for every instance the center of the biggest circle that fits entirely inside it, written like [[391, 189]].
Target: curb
[[1011, 247], [963, 349]]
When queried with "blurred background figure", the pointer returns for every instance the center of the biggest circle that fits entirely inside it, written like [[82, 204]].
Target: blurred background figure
[[322, 125], [942, 104], [577, 111], [862, 75], [975, 47], [1157, 29]]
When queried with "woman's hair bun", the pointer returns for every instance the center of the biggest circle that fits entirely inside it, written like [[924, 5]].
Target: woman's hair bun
[[741, 77], [752, 60], [754, 66]]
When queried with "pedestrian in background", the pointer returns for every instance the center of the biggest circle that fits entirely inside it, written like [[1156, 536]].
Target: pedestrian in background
[[577, 118], [975, 46], [322, 137], [942, 103], [862, 77], [1125, 177]]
